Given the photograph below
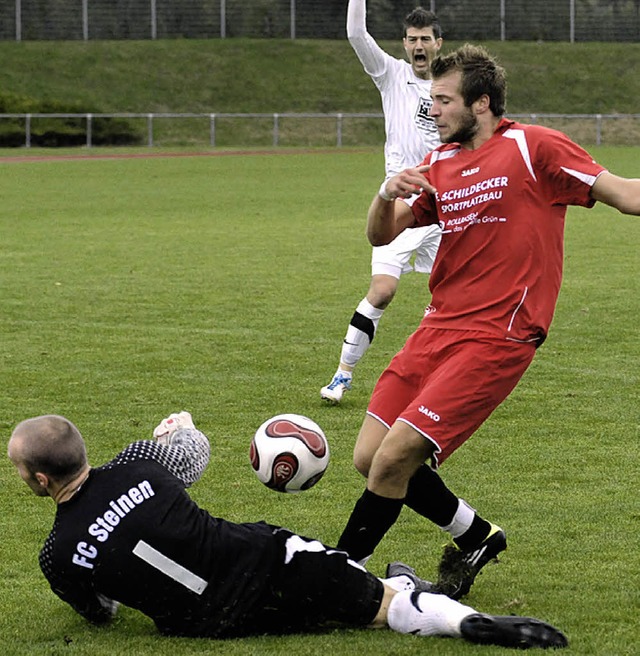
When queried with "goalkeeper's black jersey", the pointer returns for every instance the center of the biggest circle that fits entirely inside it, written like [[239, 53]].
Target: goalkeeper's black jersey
[[132, 534]]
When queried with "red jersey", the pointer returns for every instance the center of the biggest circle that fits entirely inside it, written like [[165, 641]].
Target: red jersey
[[502, 209]]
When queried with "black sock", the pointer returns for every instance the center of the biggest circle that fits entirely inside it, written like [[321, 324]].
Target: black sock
[[430, 497], [475, 534], [371, 518]]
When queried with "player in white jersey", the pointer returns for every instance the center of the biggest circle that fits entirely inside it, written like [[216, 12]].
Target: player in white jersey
[[405, 90]]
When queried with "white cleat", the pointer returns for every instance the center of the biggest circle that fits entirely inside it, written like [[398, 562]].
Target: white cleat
[[336, 388]]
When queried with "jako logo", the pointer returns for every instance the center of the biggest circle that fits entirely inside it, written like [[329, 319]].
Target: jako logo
[[467, 172], [429, 413]]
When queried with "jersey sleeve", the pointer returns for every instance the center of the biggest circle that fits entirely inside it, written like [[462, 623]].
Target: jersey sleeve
[[424, 210], [95, 608], [76, 590], [569, 170], [373, 58], [186, 458]]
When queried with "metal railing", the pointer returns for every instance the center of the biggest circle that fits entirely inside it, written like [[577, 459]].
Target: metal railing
[[597, 129]]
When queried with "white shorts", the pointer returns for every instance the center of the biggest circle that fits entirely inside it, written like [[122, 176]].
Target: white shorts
[[394, 258]]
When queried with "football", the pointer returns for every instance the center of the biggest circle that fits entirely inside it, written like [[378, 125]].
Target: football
[[289, 453]]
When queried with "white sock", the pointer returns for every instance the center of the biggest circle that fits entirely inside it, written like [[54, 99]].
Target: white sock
[[400, 583], [461, 520], [359, 337], [365, 308], [426, 614]]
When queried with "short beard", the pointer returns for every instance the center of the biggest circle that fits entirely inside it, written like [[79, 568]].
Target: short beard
[[466, 131]]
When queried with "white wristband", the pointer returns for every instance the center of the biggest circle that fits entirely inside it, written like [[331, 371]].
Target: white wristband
[[382, 192]]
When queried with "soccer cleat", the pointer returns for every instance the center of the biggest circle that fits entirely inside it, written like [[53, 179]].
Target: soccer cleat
[[401, 569], [459, 568], [336, 388], [511, 631]]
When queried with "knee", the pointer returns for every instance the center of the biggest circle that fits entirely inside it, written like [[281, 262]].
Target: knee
[[382, 291], [362, 461], [394, 464], [388, 465]]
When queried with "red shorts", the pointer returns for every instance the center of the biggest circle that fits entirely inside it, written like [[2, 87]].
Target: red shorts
[[445, 383]]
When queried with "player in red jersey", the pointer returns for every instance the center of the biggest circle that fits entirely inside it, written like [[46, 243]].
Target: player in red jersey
[[499, 190]]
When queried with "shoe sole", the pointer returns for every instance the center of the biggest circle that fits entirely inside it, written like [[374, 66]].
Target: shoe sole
[[511, 631], [326, 395], [330, 399]]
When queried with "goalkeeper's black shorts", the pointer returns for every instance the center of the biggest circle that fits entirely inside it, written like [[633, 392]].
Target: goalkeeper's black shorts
[[313, 587]]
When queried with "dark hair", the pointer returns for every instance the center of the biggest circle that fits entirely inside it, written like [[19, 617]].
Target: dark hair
[[419, 18], [54, 446], [481, 74]]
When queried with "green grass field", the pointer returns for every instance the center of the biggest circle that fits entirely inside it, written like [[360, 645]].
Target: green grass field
[[132, 288], [305, 75]]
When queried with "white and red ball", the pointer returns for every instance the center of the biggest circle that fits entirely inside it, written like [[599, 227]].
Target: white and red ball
[[289, 453]]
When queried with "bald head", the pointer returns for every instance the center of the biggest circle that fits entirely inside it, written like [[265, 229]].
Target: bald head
[[50, 445]]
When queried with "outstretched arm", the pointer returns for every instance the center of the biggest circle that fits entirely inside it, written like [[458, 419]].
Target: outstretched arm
[[618, 192], [188, 450], [179, 446]]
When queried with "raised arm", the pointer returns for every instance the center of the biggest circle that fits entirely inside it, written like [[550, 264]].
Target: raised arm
[[187, 453], [370, 54], [179, 446], [618, 192]]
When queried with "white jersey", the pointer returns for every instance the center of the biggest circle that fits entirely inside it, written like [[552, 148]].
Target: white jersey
[[411, 133]]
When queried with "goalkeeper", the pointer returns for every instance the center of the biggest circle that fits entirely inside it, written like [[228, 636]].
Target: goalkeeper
[[129, 533]]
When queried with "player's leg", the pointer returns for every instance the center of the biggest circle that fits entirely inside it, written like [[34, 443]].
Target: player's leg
[[400, 453], [360, 333], [427, 495], [374, 513], [475, 540], [425, 614], [443, 503], [312, 585], [449, 412], [388, 263], [372, 432]]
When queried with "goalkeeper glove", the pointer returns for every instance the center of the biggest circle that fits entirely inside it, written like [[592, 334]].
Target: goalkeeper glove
[[164, 431]]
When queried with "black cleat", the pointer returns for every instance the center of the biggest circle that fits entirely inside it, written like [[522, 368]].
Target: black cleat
[[511, 631], [459, 568], [400, 569]]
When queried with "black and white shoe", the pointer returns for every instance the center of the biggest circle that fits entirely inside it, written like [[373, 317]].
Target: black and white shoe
[[511, 631], [401, 569], [458, 568]]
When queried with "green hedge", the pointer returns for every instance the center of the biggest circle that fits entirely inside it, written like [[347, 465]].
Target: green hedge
[[60, 132]]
